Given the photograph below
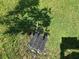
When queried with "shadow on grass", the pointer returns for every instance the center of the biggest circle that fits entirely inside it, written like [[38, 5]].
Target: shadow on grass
[[73, 55], [27, 17], [69, 43], [23, 5]]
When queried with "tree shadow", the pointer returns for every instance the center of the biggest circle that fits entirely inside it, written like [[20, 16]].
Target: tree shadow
[[27, 17], [24, 4], [69, 43]]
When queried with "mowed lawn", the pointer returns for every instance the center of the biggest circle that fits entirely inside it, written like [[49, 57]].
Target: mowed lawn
[[65, 23]]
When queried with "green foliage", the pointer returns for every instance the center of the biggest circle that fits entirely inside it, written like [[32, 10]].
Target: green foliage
[[65, 22], [25, 18], [35, 18]]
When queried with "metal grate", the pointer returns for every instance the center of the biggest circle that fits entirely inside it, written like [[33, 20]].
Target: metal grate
[[37, 42]]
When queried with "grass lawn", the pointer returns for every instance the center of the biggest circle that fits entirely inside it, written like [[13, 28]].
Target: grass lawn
[[7, 5], [65, 23]]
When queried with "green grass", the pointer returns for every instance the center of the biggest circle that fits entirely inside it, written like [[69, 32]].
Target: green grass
[[7, 5], [65, 23]]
